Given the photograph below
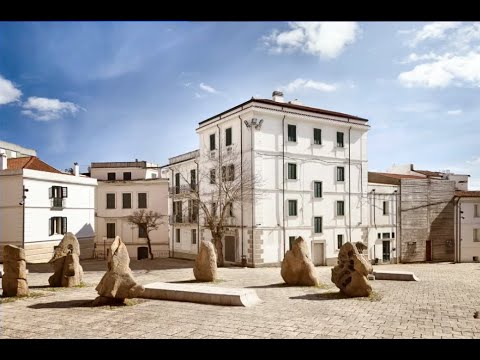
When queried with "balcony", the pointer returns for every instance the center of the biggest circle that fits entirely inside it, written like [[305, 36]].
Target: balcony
[[183, 219], [183, 189], [57, 203]]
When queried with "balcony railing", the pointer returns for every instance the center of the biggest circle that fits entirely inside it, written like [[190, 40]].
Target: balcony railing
[[57, 203], [183, 219], [182, 189]]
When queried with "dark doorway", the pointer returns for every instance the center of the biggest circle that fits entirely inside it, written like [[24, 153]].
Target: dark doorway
[[386, 251], [428, 250], [230, 248], [142, 252]]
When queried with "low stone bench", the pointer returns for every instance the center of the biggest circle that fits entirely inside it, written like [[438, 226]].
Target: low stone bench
[[203, 294], [395, 275]]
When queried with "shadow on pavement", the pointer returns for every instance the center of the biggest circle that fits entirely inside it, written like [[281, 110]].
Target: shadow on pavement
[[62, 304], [278, 285], [321, 296]]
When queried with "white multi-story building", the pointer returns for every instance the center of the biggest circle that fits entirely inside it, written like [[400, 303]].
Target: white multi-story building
[[14, 150], [38, 204], [124, 187], [467, 226], [312, 166]]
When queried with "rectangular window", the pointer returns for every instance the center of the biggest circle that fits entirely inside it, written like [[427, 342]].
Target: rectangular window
[[58, 225], [340, 208], [212, 176], [393, 235], [291, 239], [142, 200], [292, 171], [228, 173], [111, 230], [292, 207], [230, 210], [476, 235], [154, 176], [111, 176], [110, 201], [177, 211], [214, 209], [212, 142], [340, 173], [228, 137], [317, 136], [379, 236], [177, 183], [57, 194], [386, 235], [177, 235], [142, 232], [127, 175], [475, 210], [339, 241], [194, 213], [194, 236], [385, 208], [292, 133], [340, 139], [318, 226], [317, 189], [127, 200], [193, 178]]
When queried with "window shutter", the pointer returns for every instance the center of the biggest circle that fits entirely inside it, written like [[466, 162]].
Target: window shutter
[[64, 192], [64, 225], [52, 224], [50, 192]]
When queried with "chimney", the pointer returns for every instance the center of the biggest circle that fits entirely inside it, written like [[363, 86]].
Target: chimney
[[295, 102], [278, 96], [3, 160], [76, 169]]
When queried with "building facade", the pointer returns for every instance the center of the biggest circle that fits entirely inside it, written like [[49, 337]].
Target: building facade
[[14, 150], [123, 188], [39, 204], [467, 226], [311, 170]]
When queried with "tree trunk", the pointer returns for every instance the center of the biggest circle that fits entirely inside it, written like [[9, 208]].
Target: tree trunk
[[217, 241], [149, 243]]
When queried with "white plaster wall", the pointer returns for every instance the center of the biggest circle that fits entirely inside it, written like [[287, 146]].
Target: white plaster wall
[[469, 247]]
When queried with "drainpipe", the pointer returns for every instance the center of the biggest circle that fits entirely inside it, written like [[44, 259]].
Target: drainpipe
[[283, 185], [349, 188], [253, 200], [460, 217], [244, 260], [198, 211], [173, 218], [396, 224]]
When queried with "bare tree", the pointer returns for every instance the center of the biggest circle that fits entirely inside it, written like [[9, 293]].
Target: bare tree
[[147, 221], [224, 181]]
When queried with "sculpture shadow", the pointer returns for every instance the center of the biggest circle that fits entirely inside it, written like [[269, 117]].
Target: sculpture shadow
[[62, 304], [321, 296], [278, 285], [192, 281]]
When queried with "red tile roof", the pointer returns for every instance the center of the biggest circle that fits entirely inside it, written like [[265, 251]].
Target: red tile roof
[[32, 163], [398, 176], [460, 193]]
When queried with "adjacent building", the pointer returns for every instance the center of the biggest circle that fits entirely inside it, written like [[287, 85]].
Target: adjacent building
[[14, 150], [39, 204], [312, 169], [467, 229], [123, 188]]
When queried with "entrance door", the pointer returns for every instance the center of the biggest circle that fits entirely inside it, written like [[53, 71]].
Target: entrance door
[[386, 251], [317, 253], [428, 250], [230, 248]]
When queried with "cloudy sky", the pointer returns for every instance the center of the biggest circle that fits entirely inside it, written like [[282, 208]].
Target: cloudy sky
[[116, 91]]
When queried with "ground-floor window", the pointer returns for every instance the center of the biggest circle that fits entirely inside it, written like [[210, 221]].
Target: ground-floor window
[[177, 235], [339, 240], [110, 230], [194, 236], [291, 239], [58, 225]]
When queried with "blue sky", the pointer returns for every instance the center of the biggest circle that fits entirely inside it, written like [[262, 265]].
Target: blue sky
[[116, 91]]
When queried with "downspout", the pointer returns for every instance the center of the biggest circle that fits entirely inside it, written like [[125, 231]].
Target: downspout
[[253, 200], [455, 202], [244, 263], [283, 186], [173, 217], [198, 212], [396, 225], [220, 174], [349, 188], [460, 232], [23, 218]]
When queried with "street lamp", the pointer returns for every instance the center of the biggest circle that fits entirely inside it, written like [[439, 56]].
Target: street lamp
[[253, 124], [25, 190]]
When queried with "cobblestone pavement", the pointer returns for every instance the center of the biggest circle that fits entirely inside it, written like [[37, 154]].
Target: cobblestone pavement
[[441, 305]]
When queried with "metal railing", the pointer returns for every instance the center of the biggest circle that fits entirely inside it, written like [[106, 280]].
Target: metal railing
[[183, 219], [57, 203], [182, 189]]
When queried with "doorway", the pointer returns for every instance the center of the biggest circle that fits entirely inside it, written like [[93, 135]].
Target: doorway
[[317, 253], [386, 251], [428, 250], [230, 248]]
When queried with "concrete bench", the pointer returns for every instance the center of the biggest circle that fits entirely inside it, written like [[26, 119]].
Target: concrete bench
[[204, 294], [395, 275]]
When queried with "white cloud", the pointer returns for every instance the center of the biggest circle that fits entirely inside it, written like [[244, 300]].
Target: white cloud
[[455, 112], [323, 39], [448, 70], [434, 30], [8, 92], [198, 96], [208, 88], [475, 161], [413, 57], [299, 83], [44, 109], [420, 107]]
